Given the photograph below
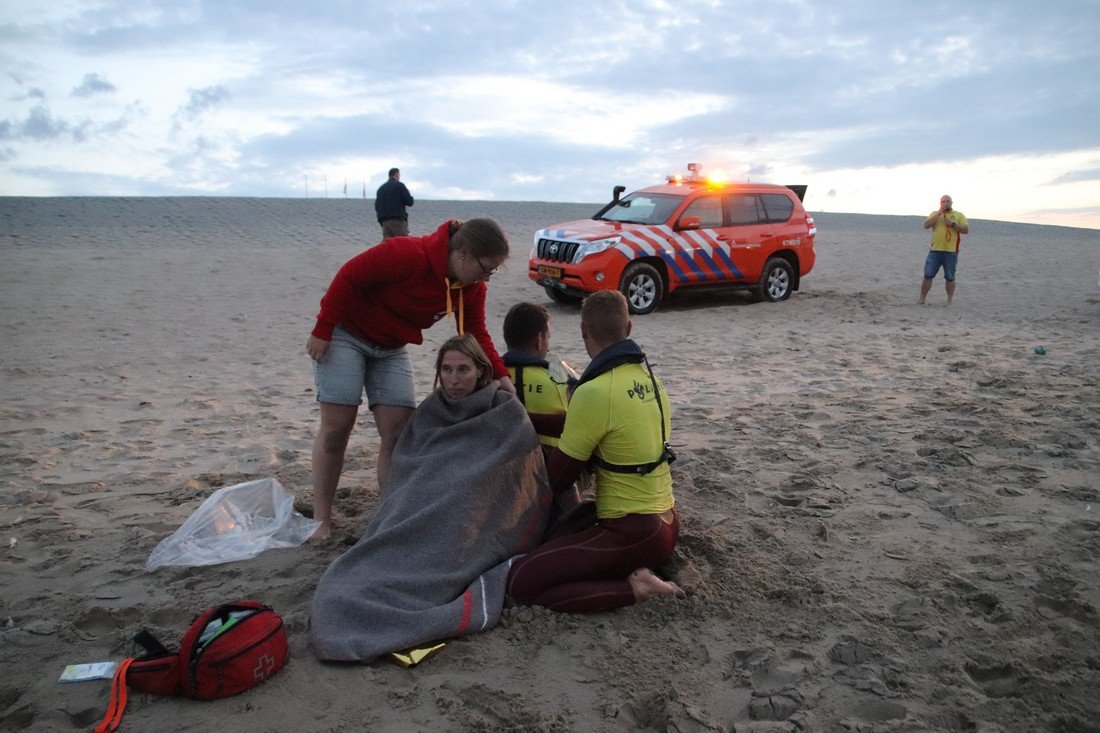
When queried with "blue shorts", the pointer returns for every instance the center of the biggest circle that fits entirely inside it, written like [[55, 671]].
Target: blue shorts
[[936, 260], [351, 365]]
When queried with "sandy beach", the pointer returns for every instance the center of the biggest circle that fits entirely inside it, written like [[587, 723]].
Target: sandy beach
[[892, 512]]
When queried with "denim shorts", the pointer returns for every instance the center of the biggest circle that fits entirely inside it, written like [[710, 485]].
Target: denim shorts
[[351, 365], [936, 260]]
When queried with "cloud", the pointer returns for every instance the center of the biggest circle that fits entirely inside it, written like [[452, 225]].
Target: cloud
[[437, 160], [1087, 174], [41, 125], [32, 93], [74, 181], [93, 84], [549, 101], [201, 100], [1071, 216]]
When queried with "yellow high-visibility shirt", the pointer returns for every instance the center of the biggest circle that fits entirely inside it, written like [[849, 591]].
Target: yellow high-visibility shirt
[[541, 395], [616, 416]]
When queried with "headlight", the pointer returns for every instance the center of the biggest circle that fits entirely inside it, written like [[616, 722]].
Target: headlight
[[591, 248]]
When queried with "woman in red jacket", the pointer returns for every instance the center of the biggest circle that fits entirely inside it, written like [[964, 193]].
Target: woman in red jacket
[[380, 301]]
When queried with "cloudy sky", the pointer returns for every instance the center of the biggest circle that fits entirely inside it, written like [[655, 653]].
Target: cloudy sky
[[880, 106]]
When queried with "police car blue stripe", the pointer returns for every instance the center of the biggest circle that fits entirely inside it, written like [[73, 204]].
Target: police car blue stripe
[[690, 243], [656, 247], [688, 250], [698, 241], [668, 254], [724, 256], [670, 260], [674, 245], [695, 253], [712, 253], [718, 273], [670, 247], [705, 244]]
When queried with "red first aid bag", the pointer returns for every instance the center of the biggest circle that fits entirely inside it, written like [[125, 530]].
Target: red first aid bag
[[226, 650]]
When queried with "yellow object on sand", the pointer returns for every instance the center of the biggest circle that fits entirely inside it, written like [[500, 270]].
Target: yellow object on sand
[[416, 654]]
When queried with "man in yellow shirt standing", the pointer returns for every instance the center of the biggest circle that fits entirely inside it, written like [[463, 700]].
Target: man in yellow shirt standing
[[619, 420], [947, 227]]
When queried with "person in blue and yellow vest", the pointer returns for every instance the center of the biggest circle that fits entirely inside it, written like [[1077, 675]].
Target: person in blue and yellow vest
[[527, 334], [947, 227], [618, 419]]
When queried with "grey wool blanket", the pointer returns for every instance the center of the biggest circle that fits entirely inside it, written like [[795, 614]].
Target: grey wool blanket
[[467, 492]]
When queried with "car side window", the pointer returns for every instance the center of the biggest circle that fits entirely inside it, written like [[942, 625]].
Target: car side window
[[778, 207], [744, 210], [708, 209]]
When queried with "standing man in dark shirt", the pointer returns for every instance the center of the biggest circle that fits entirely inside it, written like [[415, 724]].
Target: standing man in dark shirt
[[389, 203]]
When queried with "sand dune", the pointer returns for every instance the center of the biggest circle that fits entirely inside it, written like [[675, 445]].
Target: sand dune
[[892, 510]]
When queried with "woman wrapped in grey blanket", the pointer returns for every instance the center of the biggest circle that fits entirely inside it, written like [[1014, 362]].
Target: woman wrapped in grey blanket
[[467, 493]]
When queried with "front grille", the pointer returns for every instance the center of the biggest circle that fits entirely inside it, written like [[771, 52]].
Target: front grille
[[556, 250]]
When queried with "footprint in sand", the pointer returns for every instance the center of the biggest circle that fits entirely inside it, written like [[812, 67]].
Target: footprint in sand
[[99, 621], [875, 711], [18, 718], [995, 679], [772, 707], [851, 653]]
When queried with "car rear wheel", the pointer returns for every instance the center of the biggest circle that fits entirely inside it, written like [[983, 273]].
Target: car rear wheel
[[776, 280], [643, 287], [559, 296]]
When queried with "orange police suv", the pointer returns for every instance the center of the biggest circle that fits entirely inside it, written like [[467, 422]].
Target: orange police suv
[[687, 232]]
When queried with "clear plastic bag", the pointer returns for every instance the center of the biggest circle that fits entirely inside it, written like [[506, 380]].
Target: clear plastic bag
[[560, 370], [235, 523]]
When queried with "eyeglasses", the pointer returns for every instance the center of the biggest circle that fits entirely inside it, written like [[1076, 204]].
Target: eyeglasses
[[486, 271]]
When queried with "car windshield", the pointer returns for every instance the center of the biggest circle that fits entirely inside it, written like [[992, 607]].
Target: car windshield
[[643, 208]]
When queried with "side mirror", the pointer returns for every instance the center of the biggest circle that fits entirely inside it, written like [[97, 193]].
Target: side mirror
[[689, 222]]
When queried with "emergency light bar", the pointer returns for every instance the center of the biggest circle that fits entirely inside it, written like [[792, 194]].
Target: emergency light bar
[[695, 176]]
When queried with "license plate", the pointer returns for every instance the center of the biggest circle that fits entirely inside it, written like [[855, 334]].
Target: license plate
[[550, 271]]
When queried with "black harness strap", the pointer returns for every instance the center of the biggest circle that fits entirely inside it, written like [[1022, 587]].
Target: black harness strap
[[519, 384], [667, 455]]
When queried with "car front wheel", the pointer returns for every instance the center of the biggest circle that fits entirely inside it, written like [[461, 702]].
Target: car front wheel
[[643, 287], [775, 281]]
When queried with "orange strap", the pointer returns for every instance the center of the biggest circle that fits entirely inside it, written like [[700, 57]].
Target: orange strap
[[460, 316], [117, 705]]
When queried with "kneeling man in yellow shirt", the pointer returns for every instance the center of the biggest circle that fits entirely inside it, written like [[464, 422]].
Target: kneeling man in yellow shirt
[[618, 419]]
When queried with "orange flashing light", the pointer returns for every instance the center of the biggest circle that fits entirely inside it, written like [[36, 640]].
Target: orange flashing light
[[718, 178], [695, 176]]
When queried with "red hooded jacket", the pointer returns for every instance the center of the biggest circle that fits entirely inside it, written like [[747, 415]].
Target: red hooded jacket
[[391, 292]]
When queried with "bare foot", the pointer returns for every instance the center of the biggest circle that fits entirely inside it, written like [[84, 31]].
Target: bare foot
[[646, 584], [323, 532]]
